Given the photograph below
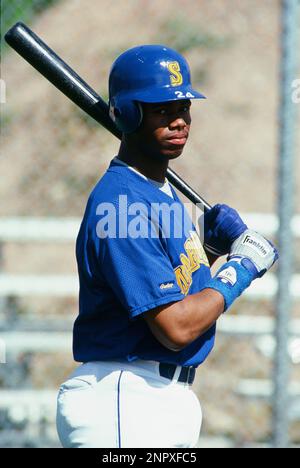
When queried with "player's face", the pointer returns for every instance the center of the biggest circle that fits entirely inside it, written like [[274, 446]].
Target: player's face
[[165, 128]]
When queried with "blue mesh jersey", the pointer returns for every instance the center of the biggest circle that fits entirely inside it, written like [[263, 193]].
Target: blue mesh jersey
[[131, 261]]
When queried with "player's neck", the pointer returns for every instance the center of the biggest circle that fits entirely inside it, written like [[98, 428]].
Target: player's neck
[[152, 168]]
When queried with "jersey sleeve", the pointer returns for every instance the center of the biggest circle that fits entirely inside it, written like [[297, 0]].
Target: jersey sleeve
[[139, 272]]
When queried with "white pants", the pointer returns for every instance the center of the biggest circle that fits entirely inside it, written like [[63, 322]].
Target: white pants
[[122, 405]]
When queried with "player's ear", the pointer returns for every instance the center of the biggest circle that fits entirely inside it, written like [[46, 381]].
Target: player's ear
[[126, 114]]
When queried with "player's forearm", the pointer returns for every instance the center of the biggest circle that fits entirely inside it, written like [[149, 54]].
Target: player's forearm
[[199, 312], [179, 324]]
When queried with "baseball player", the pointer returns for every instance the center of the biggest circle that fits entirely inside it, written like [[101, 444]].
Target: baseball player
[[148, 303]]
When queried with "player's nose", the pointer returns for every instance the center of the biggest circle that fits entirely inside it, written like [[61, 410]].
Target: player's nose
[[179, 123]]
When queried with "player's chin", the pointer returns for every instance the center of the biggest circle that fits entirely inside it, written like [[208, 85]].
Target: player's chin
[[172, 153]]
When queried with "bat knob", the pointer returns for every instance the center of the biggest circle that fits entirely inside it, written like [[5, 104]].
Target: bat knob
[[15, 34]]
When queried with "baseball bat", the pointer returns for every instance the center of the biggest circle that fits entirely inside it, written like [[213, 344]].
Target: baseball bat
[[24, 41]]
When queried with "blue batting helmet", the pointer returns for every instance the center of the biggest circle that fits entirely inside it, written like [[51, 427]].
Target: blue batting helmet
[[148, 73]]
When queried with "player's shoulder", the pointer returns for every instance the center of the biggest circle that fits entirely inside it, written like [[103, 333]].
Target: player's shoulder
[[120, 181], [108, 187], [113, 186]]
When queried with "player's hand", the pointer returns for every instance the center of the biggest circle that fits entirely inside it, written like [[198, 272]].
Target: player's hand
[[254, 252], [222, 226], [250, 257]]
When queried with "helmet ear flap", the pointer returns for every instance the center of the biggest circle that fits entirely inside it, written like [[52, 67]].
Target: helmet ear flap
[[126, 114]]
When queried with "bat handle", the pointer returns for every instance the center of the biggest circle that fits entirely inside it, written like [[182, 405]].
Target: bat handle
[[184, 188]]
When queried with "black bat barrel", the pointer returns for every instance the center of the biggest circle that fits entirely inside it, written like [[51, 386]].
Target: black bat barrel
[[50, 65]]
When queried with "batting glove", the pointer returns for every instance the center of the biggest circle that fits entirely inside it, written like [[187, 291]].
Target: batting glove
[[251, 256], [222, 226]]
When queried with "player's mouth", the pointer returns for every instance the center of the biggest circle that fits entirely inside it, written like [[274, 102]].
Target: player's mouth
[[178, 139]]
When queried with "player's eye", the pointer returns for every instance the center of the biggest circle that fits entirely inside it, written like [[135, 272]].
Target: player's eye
[[186, 108], [161, 111]]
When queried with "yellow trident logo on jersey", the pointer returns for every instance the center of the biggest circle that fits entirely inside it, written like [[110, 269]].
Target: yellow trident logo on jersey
[[190, 262], [176, 76]]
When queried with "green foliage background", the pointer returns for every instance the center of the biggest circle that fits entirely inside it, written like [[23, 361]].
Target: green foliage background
[[21, 10]]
